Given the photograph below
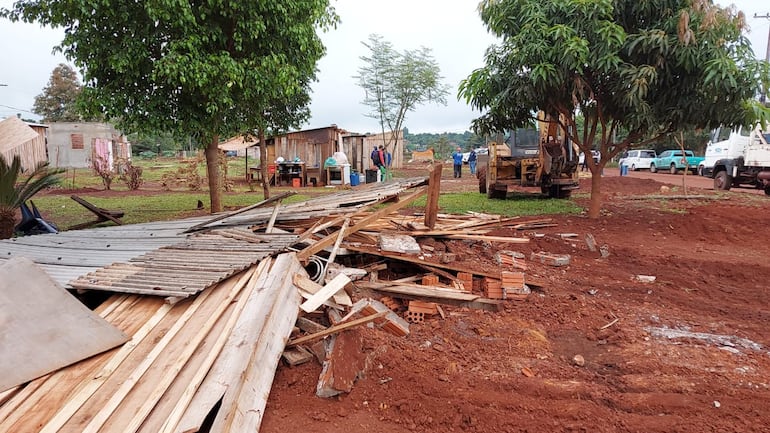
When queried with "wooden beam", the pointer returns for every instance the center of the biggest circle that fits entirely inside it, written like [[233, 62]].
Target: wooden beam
[[338, 283], [434, 190], [337, 328], [437, 296], [360, 225], [240, 211], [273, 216], [333, 253], [418, 261]]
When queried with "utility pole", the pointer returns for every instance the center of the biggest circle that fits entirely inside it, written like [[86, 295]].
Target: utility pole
[[767, 51]]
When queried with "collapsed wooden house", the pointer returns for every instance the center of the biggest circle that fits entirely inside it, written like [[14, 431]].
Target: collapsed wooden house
[[209, 305]]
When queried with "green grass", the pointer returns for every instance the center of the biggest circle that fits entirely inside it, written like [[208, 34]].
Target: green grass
[[515, 205], [157, 206], [152, 203]]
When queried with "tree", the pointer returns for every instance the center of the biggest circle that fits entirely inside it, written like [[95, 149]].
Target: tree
[[396, 83], [13, 192], [636, 71], [57, 103], [202, 69]]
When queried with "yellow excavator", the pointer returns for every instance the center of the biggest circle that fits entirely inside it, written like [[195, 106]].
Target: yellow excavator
[[546, 158]]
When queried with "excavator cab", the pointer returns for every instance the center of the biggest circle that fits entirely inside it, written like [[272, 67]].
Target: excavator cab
[[543, 157]]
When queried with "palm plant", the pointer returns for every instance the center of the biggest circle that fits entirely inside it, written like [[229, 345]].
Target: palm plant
[[14, 192]]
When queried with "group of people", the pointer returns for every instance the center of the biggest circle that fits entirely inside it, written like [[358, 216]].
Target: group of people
[[457, 160], [381, 158]]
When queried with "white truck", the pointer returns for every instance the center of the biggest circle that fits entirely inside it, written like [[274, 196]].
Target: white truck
[[751, 166], [724, 143]]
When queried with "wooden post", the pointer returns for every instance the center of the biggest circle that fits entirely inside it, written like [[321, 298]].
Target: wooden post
[[434, 188]]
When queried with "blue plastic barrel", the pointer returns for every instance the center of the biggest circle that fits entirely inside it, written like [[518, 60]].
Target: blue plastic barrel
[[354, 179]]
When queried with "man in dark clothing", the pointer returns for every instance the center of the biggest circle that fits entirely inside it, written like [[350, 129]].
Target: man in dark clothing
[[376, 161]]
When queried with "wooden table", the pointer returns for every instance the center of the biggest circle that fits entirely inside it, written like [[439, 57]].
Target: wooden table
[[288, 171]]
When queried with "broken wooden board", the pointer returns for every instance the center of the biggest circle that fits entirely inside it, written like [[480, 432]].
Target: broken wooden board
[[439, 295], [303, 282], [44, 327], [338, 283]]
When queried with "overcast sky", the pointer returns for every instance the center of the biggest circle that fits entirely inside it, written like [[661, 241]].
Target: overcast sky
[[451, 28]]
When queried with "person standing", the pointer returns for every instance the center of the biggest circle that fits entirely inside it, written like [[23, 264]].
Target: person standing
[[472, 161], [457, 158], [375, 156]]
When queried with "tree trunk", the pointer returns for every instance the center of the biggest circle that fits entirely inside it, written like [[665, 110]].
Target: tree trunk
[[212, 169], [7, 223], [263, 164], [595, 206]]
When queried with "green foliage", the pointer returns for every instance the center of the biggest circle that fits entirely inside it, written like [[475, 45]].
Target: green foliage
[[14, 192], [646, 68], [204, 69], [57, 103], [395, 83], [636, 71]]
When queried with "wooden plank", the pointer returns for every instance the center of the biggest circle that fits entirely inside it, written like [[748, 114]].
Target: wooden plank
[[98, 419], [240, 211], [337, 328], [333, 252], [434, 190], [44, 327], [360, 225], [416, 260], [194, 383], [273, 216], [226, 372], [243, 406], [306, 284], [459, 299], [338, 283]]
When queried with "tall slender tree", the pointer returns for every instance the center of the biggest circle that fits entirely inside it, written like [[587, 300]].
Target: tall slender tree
[[636, 70], [207, 69], [395, 83], [58, 101]]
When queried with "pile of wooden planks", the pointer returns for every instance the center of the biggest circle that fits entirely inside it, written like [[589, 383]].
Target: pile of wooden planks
[[222, 347]]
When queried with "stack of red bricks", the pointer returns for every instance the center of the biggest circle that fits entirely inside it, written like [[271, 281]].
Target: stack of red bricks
[[466, 278], [419, 309], [513, 285]]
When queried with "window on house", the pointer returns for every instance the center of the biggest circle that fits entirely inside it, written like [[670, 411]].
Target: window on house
[[77, 141]]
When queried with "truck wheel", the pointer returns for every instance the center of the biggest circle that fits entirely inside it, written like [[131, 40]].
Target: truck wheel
[[723, 181], [653, 169], [482, 176], [673, 169]]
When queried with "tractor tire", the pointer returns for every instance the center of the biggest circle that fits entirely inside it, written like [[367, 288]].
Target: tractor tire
[[482, 176], [557, 191], [653, 169], [723, 181]]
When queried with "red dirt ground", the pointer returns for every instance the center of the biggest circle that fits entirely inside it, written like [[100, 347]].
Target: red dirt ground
[[467, 372]]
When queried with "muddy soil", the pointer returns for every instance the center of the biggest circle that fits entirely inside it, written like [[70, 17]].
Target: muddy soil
[[593, 348]]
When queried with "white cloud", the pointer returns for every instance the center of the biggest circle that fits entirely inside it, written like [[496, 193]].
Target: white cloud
[[451, 28]]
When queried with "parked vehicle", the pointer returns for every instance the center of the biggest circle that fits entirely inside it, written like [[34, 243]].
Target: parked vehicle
[[479, 151], [544, 157], [638, 159], [724, 142], [752, 167], [675, 160]]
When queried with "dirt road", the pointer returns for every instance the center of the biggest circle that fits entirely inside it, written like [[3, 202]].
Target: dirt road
[[692, 181]]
